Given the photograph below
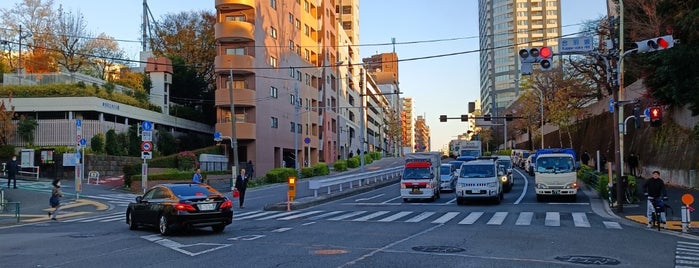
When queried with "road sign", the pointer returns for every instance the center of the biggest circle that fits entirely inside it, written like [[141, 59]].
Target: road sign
[[146, 146], [147, 125], [83, 142], [146, 155], [217, 136], [687, 199], [147, 135], [78, 122], [646, 113], [611, 105], [307, 140], [575, 44]]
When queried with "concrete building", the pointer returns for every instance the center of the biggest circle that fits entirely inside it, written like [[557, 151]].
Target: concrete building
[[505, 27], [407, 125], [383, 68], [422, 135]]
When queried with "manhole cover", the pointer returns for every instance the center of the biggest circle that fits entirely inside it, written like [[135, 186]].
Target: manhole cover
[[591, 260], [438, 249], [330, 251]]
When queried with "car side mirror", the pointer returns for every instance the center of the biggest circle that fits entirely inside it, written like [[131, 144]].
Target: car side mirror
[[139, 199], [500, 173], [509, 171]]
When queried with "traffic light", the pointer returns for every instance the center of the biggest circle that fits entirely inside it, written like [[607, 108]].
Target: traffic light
[[464, 117], [654, 44], [545, 58], [508, 117], [486, 117], [526, 58], [637, 116], [656, 114], [443, 118]]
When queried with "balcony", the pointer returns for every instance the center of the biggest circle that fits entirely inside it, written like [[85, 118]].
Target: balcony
[[241, 64], [244, 97], [235, 4], [234, 31], [244, 131]]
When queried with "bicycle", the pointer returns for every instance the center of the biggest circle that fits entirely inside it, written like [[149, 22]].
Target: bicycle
[[657, 207]]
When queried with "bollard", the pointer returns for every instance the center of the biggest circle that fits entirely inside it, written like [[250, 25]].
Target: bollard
[[685, 218]]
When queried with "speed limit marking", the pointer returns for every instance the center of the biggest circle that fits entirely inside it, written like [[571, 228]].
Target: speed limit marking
[[146, 146]]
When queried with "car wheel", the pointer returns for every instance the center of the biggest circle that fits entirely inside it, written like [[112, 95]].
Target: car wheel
[[130, 221], [539, 198], [405, 200], [218, 228], [574, 198], [163, 225], [460, 201]]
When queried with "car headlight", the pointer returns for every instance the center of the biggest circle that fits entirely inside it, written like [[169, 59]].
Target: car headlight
[[503, 178], [572, 185], [492, 184]]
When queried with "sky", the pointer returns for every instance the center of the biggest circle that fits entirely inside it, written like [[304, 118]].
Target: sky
[[438, 85]]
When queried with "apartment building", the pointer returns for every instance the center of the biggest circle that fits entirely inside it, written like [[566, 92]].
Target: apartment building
[[407, 124], [505, 27], [422, 135]]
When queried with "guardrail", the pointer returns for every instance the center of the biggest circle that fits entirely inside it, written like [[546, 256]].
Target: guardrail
[[34, 170], [351, 179], [5, 206]]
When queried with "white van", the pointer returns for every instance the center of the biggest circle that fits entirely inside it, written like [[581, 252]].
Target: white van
[[480, 179]]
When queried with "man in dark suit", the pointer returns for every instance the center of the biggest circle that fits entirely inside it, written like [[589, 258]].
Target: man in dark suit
[[12, 169], [241, 184]]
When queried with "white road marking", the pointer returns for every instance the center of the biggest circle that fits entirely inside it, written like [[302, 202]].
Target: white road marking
[[525, 218], [612, 225], [552, 219], [580, 219], [346, 216], [471, 218], [420, 217], [300, 215], [498, 218], [396, 216], [371, 216], [368, 198], [446, 217]]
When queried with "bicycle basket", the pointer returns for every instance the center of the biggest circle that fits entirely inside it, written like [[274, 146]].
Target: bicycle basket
[[659, 205]]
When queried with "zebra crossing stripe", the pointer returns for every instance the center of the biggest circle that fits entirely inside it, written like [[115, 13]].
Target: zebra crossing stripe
[[685, 257], [322, 216], [446, 217], [348, 215], [420, 217], [552, 219], [88, 219], [371, 216], [277, 215], [255, 215], [684, 262], [525, 218], [396, 216], [471, 218], [580, 219], [300, 215], [687, 249], [611, 225], [114, 218], [498, 218]]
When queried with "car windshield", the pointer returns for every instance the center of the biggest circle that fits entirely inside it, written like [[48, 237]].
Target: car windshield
[[555, 164], [456, 164], [525, 155], [445, 170], [417, 173], [474, 153], [506, 163], [477, 171], [184, 191]]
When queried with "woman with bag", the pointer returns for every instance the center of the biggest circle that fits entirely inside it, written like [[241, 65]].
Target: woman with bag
[[55, 200]]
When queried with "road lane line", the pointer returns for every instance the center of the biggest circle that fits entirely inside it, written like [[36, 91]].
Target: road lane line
[[524, 190], [389, 200], [277, 215], [612, 225], [259, 214], [348, 215], [446, 217], [300, 215], [580, 219], [396, 216], [471, 218], [525, 218], [498, 218], [552, 219], [371, 216], [331, 213], [368, 198], [421, 217]]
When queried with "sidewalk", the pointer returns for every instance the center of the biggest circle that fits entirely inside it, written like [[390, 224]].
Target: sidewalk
[[34, 205]]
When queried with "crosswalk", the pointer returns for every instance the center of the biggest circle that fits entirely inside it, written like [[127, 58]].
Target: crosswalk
[[551, 219], [686, 254], [118, 200]]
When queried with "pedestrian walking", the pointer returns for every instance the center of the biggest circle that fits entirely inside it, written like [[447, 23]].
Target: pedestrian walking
[[12, 170], [250, 169], [241, 184], [633, 164], [55, 200], [197, 176], [585, 158]]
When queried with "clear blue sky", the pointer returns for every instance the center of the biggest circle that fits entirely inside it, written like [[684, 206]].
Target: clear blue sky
[[438, 86]]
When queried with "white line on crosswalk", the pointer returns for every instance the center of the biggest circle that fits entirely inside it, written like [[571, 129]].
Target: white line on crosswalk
[[276, 215], [446, 217], [420, 217], [471, 218], [243, 214], [396, 216], [611, 225], [552, 219], [687, 249], [348, 215], [498, 218], [525, 218], [580, 219], [371, 216], [322, 216], [296, 216], [260, 214], [114, 218], [82, 219]]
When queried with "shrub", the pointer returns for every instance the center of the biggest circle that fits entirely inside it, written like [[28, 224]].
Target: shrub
[[321, 169], [353, 162], [187, 160], [97, 143], [130, 171], [7, 151], [277, 175], [375, 155], [307, 172], [368, 159], [340, 165]]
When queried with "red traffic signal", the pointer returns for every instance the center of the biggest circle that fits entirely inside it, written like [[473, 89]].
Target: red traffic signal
[[545, 52], [656, 114], [545, 61], [654, 44]]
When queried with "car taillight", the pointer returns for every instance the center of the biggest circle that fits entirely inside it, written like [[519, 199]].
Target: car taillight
[[184, 207], [227, 204]]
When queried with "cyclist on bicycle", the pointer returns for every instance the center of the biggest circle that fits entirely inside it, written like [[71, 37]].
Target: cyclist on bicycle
[[654, 189]]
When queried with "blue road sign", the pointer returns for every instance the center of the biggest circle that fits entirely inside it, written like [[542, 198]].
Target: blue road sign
[[307, 140], [217, 135], [611, 105], [83, 142], [78, 122], [146, 125], [646, 112]]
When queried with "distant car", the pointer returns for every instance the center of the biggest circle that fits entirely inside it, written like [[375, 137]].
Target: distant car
[[480, 179], [523, 159], [507, 180], [529, 165], [180, 206], [466, 158], [457, 166], [447, 180]]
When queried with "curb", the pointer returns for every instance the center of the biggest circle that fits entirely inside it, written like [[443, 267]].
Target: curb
[[310, 201]]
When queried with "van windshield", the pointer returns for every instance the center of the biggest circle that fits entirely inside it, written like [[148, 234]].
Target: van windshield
[[445, 170], [417, 174], [477, 171], [555, 164]]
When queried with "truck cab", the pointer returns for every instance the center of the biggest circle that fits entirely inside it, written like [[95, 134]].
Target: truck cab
[[555, 176], [421, 177]]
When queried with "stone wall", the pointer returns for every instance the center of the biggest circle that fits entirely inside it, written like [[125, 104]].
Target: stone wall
[[108, 165]]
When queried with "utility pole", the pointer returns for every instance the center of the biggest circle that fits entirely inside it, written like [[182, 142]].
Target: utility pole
[[619, 115], [234, 140], [362, 89], [296, 131]]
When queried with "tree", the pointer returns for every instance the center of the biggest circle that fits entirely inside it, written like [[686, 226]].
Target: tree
[[105, 53], [166, 143], [36, 18], [26, 129], [70, 40], [7, 128], [97, 143], [111, 144]]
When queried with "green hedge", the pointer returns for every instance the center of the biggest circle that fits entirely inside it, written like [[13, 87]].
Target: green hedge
[[307, 172], [353, 162], [321, 169], [375, 155], [277, 175], [368, 159], [340, 165]]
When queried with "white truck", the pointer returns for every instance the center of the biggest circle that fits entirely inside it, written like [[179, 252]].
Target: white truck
[[555, 174], [421, 176], [470, 148]]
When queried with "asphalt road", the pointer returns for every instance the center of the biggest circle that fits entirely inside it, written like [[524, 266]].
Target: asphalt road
[[370, 229]]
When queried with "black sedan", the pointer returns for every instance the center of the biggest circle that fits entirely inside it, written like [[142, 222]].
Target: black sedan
[[180, 206]]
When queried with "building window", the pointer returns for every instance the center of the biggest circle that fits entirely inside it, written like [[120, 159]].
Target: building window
[[291, 45], [292, 127], [307, 55], [292, 99], [291, 72], [275, 122], [273, 32], [235, 51], [298, 50], [235, 18], [273, 61], [298, 76], [291, 18], [273, 3], [306, 6], [274, 92], [306, 30], [297, 24], [308, 79], [299, 128], [347, 25], [346, 10]]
